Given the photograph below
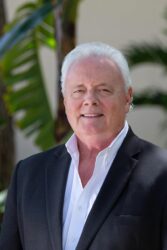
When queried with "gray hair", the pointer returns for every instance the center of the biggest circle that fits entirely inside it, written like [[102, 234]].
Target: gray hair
[[95, 49]]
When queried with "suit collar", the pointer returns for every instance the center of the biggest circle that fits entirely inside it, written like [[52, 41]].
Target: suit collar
[[112, 188]]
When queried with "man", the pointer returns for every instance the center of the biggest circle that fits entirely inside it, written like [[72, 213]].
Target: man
[[106, 189]]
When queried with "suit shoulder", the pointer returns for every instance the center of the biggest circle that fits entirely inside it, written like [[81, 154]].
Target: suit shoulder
[[145, 149], [42, 158], [151, 150], [56, 150]]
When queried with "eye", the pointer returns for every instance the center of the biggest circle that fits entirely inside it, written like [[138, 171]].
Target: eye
[[78, 91], [105, 91]]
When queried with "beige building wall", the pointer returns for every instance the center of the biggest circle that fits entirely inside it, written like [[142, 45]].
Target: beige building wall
[[119, 23]]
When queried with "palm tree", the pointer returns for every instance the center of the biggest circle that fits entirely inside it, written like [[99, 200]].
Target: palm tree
[[6, 130], [155, 54], [6, 124], [41, 23], [22, 66]]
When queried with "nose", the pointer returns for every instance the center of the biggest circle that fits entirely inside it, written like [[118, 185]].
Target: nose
[[90, 98]]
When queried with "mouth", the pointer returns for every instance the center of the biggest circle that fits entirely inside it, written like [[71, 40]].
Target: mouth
[[91, 115]]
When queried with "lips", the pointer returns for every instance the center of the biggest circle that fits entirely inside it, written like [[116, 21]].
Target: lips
[[91, 115]]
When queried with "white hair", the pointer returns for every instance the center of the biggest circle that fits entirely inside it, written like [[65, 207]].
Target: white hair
[[95, 49]]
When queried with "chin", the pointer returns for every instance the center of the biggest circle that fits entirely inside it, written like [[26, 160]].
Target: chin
[[92, 132]]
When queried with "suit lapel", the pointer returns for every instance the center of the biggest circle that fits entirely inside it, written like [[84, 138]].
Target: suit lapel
[[113, 185], [56, 176]]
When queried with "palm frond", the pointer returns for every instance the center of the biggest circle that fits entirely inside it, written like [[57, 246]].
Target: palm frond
[[146, 53], [151, 98], [46, 31], [46, 34], [25, 24], [26, 87]]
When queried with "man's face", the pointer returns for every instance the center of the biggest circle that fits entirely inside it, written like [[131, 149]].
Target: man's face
[[95, 98]]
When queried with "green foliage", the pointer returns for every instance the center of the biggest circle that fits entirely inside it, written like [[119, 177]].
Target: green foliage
[[2, 122], [147, 53], [22, 72], [3, 195], [153, 98], [32, 28], [24, 22], [155, 54], [71, 10]]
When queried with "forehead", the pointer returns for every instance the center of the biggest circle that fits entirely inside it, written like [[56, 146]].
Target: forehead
[[93, 62], [94, 68]]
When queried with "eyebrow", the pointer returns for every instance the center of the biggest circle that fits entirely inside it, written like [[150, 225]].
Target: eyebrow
[[102, 84], [79, 85]]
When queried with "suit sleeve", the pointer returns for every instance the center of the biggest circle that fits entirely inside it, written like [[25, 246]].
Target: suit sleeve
[[9, 235]]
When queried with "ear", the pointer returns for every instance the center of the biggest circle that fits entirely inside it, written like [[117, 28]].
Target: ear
[[129, 98]]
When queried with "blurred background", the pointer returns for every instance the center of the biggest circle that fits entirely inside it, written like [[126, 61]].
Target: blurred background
[[119, 24], [137, 28]]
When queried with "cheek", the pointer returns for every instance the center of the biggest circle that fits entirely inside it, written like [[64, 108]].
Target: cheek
[[110, 106], [116, 107], [71, 108], [70, 115], [67, 106]]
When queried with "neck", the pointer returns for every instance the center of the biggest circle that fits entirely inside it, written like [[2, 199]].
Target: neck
[[88, 149], [93, 144], [87, 158]]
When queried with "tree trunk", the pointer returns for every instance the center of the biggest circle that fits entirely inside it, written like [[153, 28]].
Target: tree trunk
[[65, 27], [6, 127]]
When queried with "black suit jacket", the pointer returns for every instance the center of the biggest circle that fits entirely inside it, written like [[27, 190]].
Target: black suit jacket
[[130, 212]]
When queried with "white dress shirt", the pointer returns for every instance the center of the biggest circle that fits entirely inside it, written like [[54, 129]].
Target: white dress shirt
[[78, 199]]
